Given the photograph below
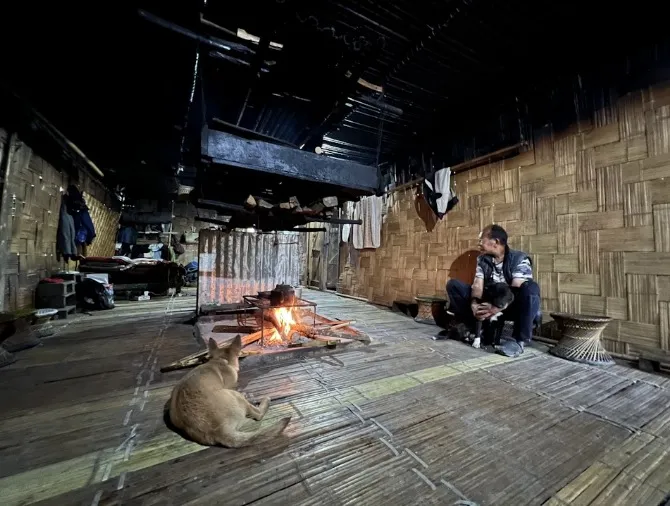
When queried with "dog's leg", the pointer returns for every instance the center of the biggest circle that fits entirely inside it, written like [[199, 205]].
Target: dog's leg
[[257, 413], [477, 342]]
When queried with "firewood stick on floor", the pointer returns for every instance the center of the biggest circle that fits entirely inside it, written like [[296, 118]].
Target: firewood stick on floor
[[255, 336], [342, 324], [336, 323]]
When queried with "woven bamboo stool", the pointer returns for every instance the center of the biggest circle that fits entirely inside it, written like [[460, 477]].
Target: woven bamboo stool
[[429, 308], [580, 338]]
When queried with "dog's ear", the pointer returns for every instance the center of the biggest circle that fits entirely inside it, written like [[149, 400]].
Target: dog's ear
[[213, 348], [235, 346]]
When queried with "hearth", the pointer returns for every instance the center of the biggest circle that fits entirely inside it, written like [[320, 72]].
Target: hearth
[[282, 318], [276, 324]]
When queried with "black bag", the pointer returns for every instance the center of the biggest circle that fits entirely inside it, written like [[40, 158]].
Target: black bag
[[94, 294]]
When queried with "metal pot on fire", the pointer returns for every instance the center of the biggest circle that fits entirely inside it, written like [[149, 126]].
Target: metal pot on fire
[[282, 295]]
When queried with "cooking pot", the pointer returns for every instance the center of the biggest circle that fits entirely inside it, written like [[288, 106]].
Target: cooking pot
[[282, 295]]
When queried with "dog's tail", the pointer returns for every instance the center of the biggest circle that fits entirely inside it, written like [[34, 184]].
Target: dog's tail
[[238, 439]]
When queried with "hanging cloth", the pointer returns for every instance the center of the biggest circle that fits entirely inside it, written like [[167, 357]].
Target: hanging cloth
[[347, 213], [65, 236], [437, 192], [357, 230], [368, 234]]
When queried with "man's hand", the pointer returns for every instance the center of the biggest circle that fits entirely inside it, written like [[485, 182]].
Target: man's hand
[[484, 311]]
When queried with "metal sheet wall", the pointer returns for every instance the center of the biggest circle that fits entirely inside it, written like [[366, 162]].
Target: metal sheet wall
[[233, 264]]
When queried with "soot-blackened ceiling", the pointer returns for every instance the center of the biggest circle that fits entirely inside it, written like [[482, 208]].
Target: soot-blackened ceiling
[[363, 80]]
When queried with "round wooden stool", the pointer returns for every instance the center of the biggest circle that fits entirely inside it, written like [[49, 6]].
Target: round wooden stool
[[580, 338], [429, 309]]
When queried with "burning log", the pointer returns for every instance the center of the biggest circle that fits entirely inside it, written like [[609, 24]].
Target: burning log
[[282, 326]]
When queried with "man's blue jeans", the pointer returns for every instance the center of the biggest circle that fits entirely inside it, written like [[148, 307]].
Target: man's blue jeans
[[522, 311]]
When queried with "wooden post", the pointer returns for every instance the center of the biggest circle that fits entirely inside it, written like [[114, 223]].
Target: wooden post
[[323, 278]]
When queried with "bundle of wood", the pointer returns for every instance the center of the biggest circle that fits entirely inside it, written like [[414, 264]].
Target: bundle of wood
[[323, 206]]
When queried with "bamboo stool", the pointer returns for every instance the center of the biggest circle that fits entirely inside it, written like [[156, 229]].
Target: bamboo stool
[[429, 307], [580, 338]]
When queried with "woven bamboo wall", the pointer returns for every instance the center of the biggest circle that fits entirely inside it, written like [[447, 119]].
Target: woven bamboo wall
[[106, 221], [590, 204], [34, 198]]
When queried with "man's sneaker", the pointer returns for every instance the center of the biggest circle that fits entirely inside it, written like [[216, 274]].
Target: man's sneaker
[[511, 348]]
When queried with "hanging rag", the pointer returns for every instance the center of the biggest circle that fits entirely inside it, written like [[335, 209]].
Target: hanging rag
[[65, 238], [369, 211], [156, 250], [437, 192], [347, 213]]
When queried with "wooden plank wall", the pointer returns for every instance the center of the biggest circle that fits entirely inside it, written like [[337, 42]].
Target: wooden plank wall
[[590, 204], [33, 190]]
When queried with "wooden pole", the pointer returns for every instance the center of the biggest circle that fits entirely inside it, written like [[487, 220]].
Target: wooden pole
[[324, 261]]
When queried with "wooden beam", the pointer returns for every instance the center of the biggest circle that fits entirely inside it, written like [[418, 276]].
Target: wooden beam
[[227, 149], [468, 164], [251, 134]]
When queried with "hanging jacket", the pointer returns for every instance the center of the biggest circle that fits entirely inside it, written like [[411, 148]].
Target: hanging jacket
[[65, 236], [84, 226]]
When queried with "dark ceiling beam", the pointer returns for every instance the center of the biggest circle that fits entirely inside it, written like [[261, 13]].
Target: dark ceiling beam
[[401, 62], [209, 40], [263, 157], [339, 109], [245, 132], [373, 23]]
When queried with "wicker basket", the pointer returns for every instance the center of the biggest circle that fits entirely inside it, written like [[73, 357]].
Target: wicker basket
[[580, 338]]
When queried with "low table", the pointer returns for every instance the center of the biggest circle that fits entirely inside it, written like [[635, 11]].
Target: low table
[[429, 309], [580, 338]]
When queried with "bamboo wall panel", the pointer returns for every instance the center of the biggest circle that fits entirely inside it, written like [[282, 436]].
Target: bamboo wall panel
[[34, 189], [106, 221], [591, 205]]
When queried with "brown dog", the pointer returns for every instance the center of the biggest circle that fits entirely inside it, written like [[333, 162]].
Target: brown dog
[[205, 406]]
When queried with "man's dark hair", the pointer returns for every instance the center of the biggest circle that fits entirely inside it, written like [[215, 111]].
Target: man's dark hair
[[496, 232]]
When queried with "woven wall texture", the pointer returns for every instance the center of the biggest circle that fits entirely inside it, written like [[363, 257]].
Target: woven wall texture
[[590, 204], [33, 205]]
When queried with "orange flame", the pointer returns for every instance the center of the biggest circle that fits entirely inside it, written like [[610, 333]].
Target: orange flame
[[285, 320]]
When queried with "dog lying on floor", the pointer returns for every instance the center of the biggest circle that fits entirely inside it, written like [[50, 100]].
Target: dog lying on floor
[[495, 294], [208, 409]]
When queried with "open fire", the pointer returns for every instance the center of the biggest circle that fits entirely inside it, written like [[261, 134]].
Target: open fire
[[284, 325], [273, 323]]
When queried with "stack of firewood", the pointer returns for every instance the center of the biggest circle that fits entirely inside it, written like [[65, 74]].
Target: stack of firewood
[[324, 206]]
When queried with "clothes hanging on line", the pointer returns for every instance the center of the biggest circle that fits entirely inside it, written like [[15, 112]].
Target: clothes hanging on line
[[438, 193], [128, 235], [156, 250], [348, 214], [369, 211], [66, 247], [77, 208]]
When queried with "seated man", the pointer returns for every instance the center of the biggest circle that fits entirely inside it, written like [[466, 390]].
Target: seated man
[[499, 264]]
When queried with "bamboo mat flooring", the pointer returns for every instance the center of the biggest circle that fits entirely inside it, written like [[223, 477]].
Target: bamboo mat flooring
[[405, 421]]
